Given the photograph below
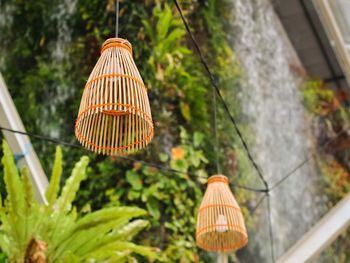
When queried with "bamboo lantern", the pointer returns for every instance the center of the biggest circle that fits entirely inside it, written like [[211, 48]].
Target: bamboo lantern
[[114, 115], [220, 224]]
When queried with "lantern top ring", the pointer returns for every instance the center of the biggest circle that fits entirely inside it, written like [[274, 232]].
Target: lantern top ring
[[116, 42], [218, 178]]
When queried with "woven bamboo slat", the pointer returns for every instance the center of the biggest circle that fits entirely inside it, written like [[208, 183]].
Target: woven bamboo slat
[[114, 116], [220, 223]]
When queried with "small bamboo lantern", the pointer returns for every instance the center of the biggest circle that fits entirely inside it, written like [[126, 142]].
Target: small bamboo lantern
[[114, 115], [220, 224]]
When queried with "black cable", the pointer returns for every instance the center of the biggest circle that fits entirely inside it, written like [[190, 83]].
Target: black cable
[[270, 227], [158, 166], [215, 128], [311, 156], [257, 205], [214, 84], [164, 168], [116, 18]]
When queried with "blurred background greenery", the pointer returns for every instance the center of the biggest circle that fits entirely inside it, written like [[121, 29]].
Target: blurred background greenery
[[47, 53]]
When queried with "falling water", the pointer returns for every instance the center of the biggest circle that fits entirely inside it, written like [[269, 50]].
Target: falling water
[[60, 57], [272, 104], [6, 18], [66, 9]]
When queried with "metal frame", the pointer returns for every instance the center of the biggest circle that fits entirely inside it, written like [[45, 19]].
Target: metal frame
[[334, 34], [20, 144], [321, 235]]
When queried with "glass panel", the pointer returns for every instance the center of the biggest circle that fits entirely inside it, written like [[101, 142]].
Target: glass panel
[[341, 10]]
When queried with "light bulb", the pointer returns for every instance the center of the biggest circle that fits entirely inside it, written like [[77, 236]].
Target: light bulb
[[221, 224]]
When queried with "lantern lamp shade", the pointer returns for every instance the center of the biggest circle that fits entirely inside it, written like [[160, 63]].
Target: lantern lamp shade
[[220, 223], [114, 116]]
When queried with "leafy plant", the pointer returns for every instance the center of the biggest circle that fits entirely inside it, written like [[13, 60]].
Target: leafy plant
[[55, 232], [180, 96], [172, 69], [170, 198], [317, 97]]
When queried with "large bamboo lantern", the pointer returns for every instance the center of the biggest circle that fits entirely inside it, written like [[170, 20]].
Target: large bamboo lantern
[[220, 224], [114, 115]]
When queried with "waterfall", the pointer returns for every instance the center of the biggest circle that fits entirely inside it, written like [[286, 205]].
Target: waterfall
[[63, 12], [65, 9], [6, 19], [272, 104]]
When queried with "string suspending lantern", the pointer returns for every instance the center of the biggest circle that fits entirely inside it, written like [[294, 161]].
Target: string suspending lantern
[[114, 116], [220, 223]]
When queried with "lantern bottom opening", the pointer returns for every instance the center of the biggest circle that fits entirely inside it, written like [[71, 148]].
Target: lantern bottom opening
[[226, 241], [113, 132]]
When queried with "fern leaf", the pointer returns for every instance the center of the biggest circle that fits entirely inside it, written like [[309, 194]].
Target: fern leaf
[[11, 178], [54, 186], [28, 193], [29, 202], [92, 228], [72, 185], [108, 214], [124, 233], [14, 201], [130, 230], [126, 248]]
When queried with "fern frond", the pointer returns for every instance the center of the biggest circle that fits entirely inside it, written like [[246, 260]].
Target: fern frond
[[14, 201], [93, 228], [128, 231], [64, 202], [101, 222], [12, 180], [124, 233], [29, 202], [54, 186], [107, 214], [125, 248]]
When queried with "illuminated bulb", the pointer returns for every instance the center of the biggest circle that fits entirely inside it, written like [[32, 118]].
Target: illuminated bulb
[[221, 224]]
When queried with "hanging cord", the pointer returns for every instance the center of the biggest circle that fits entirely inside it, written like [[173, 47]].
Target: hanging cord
[[218, 92], [270, 227], [258, 204], [116, 18], [307, 159], [215, 131], [165, 168], [149, 164]]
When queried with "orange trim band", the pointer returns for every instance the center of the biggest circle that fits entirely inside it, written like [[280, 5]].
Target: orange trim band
[[219, 205], [115, 104], [230, 226], [80, 136], [230, 247], [217, 180], [148, 119], [116, 45], [116, 113], [115, 75]]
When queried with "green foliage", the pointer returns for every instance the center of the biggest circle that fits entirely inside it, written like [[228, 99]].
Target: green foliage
[[47, 93], [315, 95], [173, 72], [64, 235], [327, 107], [170, 198]]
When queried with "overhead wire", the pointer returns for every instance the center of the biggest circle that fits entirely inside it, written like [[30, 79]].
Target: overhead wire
[[258, 204], [231, 117], [117, 18], [158, 166], [215, 129], [218, 92], [307, 159], [269, 218]]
